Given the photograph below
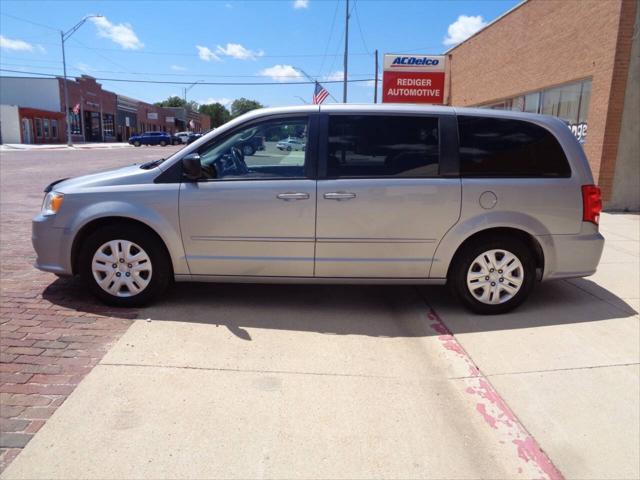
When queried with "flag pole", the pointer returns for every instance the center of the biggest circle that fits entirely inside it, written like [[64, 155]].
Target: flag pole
[[311, 79]]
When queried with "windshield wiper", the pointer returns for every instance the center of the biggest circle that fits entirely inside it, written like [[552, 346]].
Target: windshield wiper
[[152, 164]]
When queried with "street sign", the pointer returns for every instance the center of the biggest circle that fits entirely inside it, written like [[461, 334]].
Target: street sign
[[413, 78]]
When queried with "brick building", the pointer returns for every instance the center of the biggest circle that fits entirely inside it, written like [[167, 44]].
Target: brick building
[[571, 59], [33, 112], [92, 110]]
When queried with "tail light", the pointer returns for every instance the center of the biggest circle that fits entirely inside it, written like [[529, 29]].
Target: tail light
[[591, 204]]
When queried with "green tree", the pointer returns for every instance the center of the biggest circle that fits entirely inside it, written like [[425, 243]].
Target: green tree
[[175, 101], [243, 105], [218, 113]]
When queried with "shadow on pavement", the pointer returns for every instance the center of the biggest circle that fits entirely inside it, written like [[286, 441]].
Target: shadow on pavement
[[69, 293], [384, 311]]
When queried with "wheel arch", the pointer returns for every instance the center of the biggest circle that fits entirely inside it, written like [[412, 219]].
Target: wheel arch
[[512, 232], [101, 222]]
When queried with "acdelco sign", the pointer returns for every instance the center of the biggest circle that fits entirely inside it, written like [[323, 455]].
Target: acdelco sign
[[414, 61], [413, 78]]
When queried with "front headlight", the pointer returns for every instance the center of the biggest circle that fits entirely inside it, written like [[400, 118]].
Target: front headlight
[[52, 203]]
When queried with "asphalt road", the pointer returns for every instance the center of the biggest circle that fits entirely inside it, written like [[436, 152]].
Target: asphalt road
[[300, 381]]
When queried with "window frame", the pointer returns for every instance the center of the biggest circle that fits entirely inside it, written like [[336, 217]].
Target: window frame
[[447, 145], [311, 152]]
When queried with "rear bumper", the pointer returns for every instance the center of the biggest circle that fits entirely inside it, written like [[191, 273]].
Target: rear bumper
[[52, 246], [568, 256]]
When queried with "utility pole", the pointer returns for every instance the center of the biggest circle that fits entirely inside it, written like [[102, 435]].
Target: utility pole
[[186, 89], [64, 36], [346, 52], [375, 86]]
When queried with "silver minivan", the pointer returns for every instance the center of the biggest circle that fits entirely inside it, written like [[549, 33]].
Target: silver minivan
[[486, 201]]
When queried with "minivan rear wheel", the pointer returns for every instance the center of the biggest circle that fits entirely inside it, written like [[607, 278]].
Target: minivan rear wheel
[[124, 266], [493, 275]]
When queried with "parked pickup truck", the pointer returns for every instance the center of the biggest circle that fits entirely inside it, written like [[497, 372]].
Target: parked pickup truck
[[154, 138]]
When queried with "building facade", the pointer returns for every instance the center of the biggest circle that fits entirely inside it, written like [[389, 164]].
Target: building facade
[[126, 117], [31, 110], [92, 110], [575, 60]]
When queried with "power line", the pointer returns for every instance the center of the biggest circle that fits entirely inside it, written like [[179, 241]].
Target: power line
[[89, 71], [357, 15], [175, 82], [20, 19], [326, 48]]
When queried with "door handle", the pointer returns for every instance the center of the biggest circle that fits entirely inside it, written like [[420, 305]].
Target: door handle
[[339, 195], [293, 196]]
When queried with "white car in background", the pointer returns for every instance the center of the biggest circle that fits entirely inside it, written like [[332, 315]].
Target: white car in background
[[291, 143], [183, 136]]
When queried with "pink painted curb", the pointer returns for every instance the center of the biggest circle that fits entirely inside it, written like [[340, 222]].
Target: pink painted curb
[[493, 409]]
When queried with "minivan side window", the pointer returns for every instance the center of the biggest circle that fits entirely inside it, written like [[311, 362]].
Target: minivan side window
[[271, 149], [500, 147], [382, 146]]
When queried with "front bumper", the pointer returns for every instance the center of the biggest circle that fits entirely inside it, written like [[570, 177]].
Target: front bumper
[[52, 245]]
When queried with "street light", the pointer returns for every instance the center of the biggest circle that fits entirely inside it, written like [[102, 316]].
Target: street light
[[185, 90], [64, 36]]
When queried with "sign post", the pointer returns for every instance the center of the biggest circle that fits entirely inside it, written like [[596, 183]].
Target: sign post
[[413, 79]]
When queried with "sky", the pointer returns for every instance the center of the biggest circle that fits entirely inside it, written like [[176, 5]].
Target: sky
[[231, 41]]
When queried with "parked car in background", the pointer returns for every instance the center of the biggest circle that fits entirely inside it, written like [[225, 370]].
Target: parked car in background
[[183, 136], [291, 144], [251, 145], [193, 137], [153, 138], [489, 202]]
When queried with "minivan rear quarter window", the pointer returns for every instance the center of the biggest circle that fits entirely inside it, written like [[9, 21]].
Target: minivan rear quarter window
[[382, 146], [499, 147]]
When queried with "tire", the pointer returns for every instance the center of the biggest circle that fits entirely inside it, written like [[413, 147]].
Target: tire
[[136, 143], [288, 148], [151, 281], [163, 143], [482, 259], [248, 150]]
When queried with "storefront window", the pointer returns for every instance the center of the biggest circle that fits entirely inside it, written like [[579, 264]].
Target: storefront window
[[45, 124], [531, 102], [108, 125], [54, 128], [76, 125], [584, 101], [38, 128], [569, 102]]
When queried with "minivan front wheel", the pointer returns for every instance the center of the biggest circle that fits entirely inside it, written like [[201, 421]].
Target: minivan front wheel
[[124, 265], [493, 276]]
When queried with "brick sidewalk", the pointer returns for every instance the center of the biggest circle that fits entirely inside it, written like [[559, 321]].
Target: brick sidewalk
[[51, 332]]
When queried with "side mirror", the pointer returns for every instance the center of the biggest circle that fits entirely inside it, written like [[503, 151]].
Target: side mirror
[[191, 167]]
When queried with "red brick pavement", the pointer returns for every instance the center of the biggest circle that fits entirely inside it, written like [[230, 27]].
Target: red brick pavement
[[51, 332]]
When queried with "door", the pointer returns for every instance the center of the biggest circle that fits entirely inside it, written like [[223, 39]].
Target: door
[[384, 199], [252, 215], [26, 131]]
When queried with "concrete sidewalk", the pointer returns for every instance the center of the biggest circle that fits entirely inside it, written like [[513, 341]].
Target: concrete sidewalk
[[24, 147], [250, 381]]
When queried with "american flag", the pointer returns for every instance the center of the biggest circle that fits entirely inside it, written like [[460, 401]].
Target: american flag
[[320, 94]]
